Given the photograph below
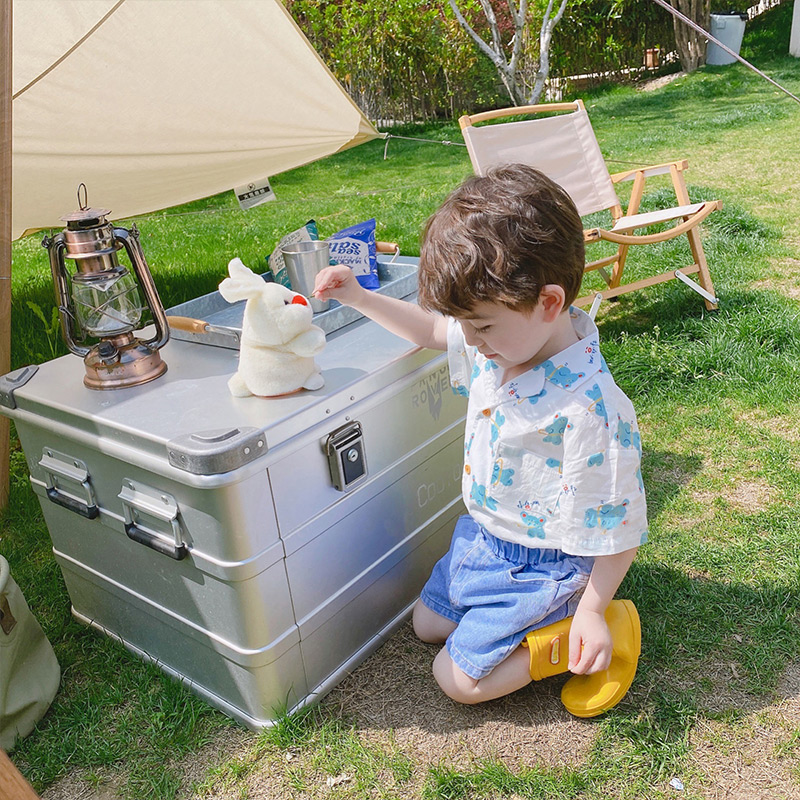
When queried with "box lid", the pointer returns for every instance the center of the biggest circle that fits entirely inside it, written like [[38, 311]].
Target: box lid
[[191, 410]]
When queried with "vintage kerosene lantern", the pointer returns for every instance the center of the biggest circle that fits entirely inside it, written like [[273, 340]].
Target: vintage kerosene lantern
[[102, 301]]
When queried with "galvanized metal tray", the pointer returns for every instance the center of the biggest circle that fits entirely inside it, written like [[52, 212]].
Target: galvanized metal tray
[[397, 276]]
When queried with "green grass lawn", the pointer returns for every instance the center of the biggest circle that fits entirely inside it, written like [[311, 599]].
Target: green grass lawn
[[716, 393]]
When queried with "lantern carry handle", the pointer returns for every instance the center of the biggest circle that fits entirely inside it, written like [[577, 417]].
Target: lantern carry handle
[[130, 241], [55, 247]]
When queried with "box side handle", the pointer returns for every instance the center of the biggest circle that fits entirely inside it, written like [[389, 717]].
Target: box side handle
[[62, 469], [141, 536], [140, 500]]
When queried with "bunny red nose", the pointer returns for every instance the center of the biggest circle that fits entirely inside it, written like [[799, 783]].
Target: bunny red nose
[[300, 300]]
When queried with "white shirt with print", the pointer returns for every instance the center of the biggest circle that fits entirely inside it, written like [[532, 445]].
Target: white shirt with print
[[552, 458]]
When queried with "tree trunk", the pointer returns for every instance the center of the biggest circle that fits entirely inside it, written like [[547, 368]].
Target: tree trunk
[[691, 45], [515, 70]]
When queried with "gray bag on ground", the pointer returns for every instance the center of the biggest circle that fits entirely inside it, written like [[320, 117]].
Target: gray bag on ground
[[29, 672]]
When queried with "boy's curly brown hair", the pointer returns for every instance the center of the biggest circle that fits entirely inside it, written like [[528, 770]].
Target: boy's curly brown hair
[[500, 238]]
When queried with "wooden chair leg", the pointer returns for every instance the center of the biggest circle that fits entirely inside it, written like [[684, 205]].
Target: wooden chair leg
[[704, 275], [619, 266], [12, 785], [637, 191], [679, 182]]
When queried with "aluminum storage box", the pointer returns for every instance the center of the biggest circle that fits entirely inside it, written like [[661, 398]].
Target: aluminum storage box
[[207, 532]]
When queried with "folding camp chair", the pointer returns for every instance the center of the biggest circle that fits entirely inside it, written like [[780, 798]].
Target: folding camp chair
[[564, 147]]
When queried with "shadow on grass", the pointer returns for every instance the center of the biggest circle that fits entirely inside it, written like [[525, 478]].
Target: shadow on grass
[[665, 473]]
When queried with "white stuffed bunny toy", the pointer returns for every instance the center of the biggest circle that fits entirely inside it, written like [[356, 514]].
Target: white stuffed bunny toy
[[278, 343]]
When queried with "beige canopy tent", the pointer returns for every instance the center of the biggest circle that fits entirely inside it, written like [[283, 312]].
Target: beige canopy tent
[[152, 103]]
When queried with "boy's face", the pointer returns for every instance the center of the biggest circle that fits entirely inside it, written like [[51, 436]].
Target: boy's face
[[518, 340], [510, 338]]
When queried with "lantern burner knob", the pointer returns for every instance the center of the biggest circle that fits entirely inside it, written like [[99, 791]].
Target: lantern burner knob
[[107, 352]]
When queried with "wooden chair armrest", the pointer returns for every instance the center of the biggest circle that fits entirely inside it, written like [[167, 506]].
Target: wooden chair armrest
[[596, 234], [656, 169]]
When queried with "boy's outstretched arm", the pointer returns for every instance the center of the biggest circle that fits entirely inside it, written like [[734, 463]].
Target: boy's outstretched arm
[[589, 638], [398, 316]]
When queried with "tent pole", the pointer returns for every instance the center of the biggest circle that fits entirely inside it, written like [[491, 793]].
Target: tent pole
[[5, 230]]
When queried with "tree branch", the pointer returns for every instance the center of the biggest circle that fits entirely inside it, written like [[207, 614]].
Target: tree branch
[[485, 49], [519, 32], [545, 35], [497, 40], [496, 55]]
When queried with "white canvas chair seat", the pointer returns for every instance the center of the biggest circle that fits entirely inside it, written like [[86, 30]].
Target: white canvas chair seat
[[634, 221], [565, 148]]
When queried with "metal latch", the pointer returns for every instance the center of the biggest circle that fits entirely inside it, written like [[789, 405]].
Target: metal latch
[[346, 457], [138, 501], [68, 483]]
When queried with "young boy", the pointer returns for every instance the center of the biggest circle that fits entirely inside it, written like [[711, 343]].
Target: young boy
[[551, 479]]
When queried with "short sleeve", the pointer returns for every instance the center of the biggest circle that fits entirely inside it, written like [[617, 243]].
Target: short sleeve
[[460, 358], [603, 506]]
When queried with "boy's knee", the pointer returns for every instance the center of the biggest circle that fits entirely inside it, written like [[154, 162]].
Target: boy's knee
[[429, 626], [455, 683]]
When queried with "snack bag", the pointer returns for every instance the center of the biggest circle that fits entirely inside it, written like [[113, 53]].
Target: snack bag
[[355, 247], [308, 233]]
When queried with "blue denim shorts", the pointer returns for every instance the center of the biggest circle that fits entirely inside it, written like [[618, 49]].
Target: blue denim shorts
[[497, 591]]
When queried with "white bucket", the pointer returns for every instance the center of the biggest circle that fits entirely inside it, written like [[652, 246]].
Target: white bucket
[[729, 29]]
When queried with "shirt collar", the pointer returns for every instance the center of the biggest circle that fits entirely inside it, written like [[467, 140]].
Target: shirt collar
[[577, 363], [568, 369]]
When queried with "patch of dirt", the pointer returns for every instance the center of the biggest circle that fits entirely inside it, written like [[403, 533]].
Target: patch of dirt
[[704, 498], [785, 280], [73, 787], [746, 496], [754, 760], [779, 425], [395, 691], [395, 706], [749, 772], [789, 290], [229, 743], [674, 471], [727, 692], [225, 745], [750, 497], [657, 83]]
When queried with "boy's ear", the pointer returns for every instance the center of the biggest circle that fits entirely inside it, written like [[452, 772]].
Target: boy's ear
[[551, 299]]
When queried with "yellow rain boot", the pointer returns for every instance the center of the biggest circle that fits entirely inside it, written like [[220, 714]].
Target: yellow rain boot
[[589, 695]]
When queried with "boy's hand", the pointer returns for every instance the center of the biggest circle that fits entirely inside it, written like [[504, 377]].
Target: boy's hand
[[337, 283], [589, 637], [401, 317], [589, 643]]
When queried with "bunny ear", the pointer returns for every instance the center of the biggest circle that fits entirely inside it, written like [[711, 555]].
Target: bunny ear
[[243, 282], [237, 268], [241, 272]]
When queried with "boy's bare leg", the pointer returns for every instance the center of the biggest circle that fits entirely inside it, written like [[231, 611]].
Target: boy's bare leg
[[430, 626], [506, 677]]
